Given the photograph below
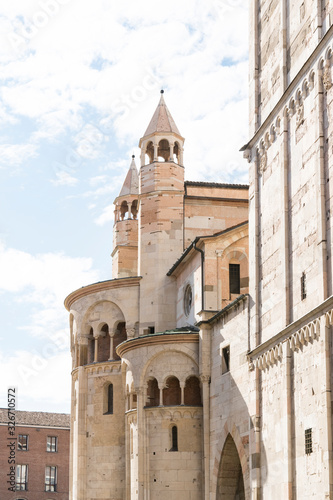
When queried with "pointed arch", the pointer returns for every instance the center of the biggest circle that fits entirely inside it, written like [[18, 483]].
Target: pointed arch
[[230, 481]]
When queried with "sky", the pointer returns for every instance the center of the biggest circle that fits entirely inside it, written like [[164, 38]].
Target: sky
[[80, 81]]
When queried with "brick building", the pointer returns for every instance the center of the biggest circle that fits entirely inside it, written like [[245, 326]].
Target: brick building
[[40, 448]]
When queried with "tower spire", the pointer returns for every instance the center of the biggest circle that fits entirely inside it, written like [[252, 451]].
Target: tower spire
[[162, 120], [131, 182], [162, 138]]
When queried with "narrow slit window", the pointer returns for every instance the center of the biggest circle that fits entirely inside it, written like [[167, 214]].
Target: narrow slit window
[[174, 438], [308, 441], [303, 286], [110, 399], [225, 359], [234, 278]]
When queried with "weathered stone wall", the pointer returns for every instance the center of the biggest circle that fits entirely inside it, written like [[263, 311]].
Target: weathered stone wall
[[230, 394]]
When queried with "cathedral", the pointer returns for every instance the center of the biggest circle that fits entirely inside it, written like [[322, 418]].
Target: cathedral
[[202, 369]]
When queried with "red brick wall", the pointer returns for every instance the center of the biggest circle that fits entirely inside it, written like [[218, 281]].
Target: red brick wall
[[36, 458]]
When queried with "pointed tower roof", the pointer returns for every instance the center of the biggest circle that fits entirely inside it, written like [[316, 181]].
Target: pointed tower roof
[[162, 120], [131, 183]]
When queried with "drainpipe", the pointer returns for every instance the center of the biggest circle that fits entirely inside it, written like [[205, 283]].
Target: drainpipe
[[202, 273]]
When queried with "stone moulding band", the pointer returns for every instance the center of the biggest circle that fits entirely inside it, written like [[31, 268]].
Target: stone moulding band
[[302, 337], [293, 103]]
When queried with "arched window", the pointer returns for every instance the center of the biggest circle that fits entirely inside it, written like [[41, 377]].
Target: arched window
[[174, 438], [172, 392], [91, 347], [119, 337], [164, 150], [123, 210], [104, 344], [153, 393], [109, 400], [192, 393], [150, 152]]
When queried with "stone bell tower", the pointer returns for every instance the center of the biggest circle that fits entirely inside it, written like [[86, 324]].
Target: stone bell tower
[[125, 230], [161, 219]]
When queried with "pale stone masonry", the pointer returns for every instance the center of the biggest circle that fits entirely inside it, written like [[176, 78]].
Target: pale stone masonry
[[202, 370]]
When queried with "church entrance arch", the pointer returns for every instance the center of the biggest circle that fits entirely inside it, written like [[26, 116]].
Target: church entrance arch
[[230, 483]]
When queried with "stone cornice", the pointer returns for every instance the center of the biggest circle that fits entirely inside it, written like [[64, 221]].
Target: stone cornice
[[101, 286], [157, 339], [296, 326], [289, 90]]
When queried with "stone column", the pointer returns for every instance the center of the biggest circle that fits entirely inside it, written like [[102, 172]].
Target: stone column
[[171, 151], [83, 349], [155, 151], [285, 217], [182, 387], [112, 334], [205, 380], [129, 204], [204, 371], [326, 444], [96, 348], [161, 396], [321, 187], [141, 443], [143, 157]]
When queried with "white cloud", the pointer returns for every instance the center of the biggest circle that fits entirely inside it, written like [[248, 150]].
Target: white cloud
[[118, 69], [44, 280], [15, 154], [41, 377], [106, 216], [64, 179]]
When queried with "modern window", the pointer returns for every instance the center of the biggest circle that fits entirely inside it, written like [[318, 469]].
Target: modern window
[[234, 278], [308, 441], [303, 286], [50, 478], [174, 438], [52, 444], [22, 442], [21, 477], [226, 359]]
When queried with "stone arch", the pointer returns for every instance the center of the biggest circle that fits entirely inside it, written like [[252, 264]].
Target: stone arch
[[149, 151], [153, 392], [171, 392], [163, 149], [161, 376], [91, 346], [192, 391], [176, 152], [230, 481], [231, 430], [123, 209], [120, 336], [103, 342]]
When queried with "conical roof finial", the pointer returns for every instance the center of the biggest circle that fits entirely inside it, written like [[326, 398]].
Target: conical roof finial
[[131, 183], [162, 120]]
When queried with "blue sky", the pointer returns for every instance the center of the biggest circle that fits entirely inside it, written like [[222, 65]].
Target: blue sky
[[80, 81]]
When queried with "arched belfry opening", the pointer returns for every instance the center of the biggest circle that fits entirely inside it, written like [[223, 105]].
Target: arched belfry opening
[[230, 482], [163, 151]]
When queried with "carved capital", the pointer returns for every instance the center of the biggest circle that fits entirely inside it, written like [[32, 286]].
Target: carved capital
[[205, 379], [262, 161], [130, 333], [327, 78], [299, 114]]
